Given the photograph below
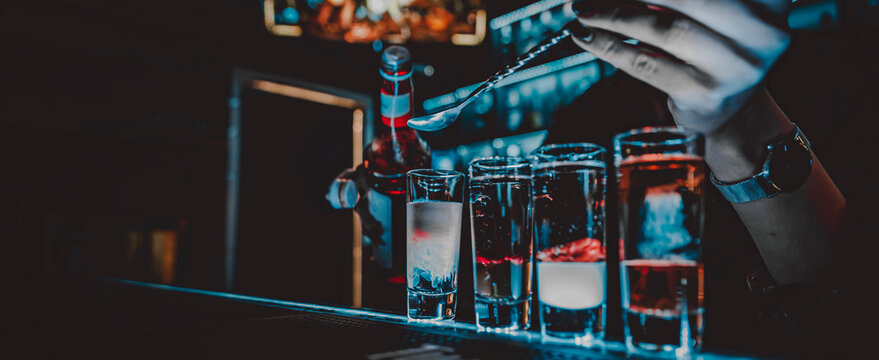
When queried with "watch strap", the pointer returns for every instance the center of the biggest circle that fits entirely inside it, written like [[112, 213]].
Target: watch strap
[[758, 186], [750, 189]]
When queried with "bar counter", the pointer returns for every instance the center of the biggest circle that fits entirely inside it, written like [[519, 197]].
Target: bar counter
[[111, 317]]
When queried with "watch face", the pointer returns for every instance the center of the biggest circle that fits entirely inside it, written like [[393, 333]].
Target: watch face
[[790, 164]]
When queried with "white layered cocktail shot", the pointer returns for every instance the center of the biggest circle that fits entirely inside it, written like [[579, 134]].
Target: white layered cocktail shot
[[433, 242], [569, 197], [572, 285]]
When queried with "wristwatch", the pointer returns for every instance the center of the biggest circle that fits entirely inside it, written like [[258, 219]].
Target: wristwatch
[[787, 167]]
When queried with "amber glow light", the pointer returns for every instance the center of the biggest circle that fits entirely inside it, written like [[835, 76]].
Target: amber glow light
[[306, 94], [361, 22], [361, 117]]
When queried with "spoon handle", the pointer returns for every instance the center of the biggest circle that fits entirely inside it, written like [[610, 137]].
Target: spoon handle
[[519, 63]]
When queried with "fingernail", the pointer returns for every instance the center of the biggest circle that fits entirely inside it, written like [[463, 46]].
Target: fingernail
[[582, 33], [588, 37]]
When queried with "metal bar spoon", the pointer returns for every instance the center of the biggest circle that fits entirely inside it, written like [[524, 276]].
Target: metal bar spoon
[[442, 119]]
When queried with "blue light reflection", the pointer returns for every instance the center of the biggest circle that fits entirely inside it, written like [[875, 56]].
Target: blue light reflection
[[524, 336], [290, 15]]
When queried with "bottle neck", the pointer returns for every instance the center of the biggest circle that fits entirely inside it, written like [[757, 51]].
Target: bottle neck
[[397, 100]]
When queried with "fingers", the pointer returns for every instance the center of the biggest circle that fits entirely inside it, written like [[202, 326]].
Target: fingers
[[746, 23], [679, 80], [679, 36]]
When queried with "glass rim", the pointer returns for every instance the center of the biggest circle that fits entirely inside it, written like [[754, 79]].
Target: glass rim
[[571, 145], [435, 173], [510, 162], [593, 149], [689, 136]]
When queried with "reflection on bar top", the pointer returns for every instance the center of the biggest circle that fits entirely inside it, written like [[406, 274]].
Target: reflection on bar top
[[532, 337], [300, 306]]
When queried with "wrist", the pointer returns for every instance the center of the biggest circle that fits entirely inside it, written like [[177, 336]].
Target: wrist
[[737, 149]]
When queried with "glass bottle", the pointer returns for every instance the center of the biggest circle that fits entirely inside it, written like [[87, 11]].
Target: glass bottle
[[394, 150]]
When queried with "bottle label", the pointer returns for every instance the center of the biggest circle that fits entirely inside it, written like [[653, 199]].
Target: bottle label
[[394, 106], [380, 207]]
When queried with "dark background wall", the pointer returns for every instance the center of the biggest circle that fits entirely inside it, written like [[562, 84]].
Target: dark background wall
[[113, 119]]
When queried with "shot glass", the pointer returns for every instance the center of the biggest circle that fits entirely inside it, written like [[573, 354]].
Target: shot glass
[[569, 233], [434, 204], [661, 184], [500, 211]]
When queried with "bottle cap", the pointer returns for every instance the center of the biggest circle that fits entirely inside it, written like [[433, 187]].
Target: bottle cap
[[396, 59]]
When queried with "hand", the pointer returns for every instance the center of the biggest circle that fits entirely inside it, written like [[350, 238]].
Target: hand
[[711, 56], [371, 227]]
